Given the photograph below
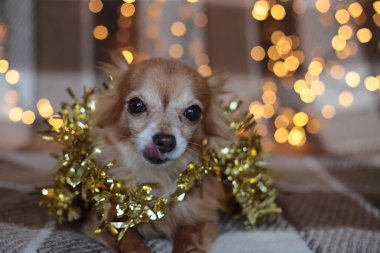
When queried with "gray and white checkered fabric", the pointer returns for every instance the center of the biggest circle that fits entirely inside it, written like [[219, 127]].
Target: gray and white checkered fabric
[[330, 204]]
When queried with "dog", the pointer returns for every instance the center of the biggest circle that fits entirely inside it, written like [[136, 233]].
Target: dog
[[152, 123]]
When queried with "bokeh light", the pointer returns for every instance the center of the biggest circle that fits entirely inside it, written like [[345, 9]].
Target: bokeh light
[[371, 83], [342, 16], [346, 98], [352, 79], [364, 35], [95, 6], [328, 111], [260, 10], [176, 51], [12, 76], [127, 9], [128, 56], [258, 53], [28, 117], [55, 121], [15, 114], [278, 12], [3, 65], [178, 29], [100, 32], [300, 119], [323, 6]]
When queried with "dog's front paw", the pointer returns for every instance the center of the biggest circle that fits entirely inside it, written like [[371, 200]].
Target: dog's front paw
[[133, 243]]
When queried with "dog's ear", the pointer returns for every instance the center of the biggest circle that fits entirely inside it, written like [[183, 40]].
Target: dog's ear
[[110, 103], [214, 120], [109, 107]]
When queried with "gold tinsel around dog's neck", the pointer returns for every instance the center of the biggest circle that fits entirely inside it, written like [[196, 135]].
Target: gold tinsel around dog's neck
[[81, 184]]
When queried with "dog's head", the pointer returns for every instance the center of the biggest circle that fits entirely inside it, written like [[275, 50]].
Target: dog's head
[[162, 107]]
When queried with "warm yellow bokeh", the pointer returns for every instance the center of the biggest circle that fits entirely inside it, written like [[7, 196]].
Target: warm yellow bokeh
[[276, 35], [269, 97], [258, 53], [269, 86], [273, 54], [4, 65], [300, 119], [127, 10], [281, 121], [307, 96], [260, 10], [376, 6], [318, 87], [95, 6], [315, 67], [346, 98], [205, 70], [279, 69], [342, 16], [355, 9], [256, 109], [28, 117], [328, 111], [376, 19], [371, 83], [284, 45], [178, 29], [323, 6], [313, 126], [12, 76], [200, 20], [100, 32], [292, 63], [337, 71], [281, 135], [128, 56], [300, 85], [44, 108], [338, 42], [364, 35], [352, 79], [268, 111], [15, 114], [345, 31], [278, 12], [297, 136], [176, 51], [55, 121]]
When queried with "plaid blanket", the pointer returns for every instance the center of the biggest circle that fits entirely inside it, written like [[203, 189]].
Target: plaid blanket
[[331, 204]]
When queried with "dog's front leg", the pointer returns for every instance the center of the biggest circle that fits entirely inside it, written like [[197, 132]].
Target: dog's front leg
[[133, 243], [195, 239]]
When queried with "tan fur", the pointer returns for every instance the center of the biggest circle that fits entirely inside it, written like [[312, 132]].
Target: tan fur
[[167, 87]]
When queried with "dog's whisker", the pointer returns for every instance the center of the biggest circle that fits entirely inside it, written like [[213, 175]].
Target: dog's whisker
[[194, 143]]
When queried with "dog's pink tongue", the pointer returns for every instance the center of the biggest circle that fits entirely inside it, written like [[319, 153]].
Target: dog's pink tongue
[[153, 152]]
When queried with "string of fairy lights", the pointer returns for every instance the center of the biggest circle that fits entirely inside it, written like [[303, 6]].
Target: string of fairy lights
[[282, 56]]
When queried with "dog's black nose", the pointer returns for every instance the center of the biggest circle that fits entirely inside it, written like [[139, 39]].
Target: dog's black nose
[[164, 142]]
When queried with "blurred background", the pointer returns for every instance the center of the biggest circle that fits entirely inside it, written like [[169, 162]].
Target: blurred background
[[309, 70]]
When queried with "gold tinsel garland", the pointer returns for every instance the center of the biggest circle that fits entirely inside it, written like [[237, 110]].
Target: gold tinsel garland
[[81, 185]]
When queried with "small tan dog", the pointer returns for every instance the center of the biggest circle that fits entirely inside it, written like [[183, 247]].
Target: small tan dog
[[152, 123]]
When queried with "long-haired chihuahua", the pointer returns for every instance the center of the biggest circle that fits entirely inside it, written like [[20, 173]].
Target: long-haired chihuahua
[[152, 123]]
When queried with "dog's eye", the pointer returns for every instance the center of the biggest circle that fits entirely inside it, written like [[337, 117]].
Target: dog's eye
[[193, 113], [135, 105]]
